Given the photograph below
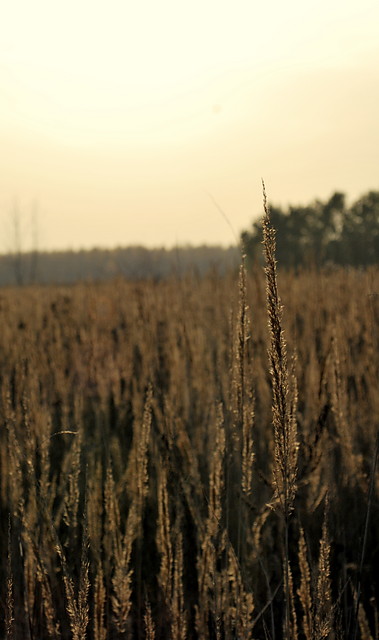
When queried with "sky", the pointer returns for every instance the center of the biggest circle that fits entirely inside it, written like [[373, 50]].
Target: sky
[[125, 122]]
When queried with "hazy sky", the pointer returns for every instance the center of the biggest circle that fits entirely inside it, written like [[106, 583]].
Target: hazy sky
[[121, 120]]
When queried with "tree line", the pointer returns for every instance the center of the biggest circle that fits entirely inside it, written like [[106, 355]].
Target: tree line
[[322, 233], [314, 235], [132, 263]]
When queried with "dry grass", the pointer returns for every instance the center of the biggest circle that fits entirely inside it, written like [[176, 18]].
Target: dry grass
[[162, 477]]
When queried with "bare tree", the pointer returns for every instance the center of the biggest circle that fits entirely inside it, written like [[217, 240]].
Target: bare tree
[[24, 259], [16, 250], [34, 253]]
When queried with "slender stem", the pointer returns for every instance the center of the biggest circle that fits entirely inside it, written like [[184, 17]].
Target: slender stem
[[369, 503], [287, 579]]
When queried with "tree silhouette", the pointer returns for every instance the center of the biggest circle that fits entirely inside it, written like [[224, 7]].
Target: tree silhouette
[[322, 232]]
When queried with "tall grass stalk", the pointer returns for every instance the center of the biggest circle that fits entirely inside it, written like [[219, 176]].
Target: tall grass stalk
[[283, 409], [9, 605], [365, 533], [323, 610]]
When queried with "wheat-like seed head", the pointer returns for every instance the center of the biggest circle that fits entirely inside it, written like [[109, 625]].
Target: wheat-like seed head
[[285, 436]]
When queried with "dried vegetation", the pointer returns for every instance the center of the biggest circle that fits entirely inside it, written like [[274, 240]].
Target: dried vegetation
[[191, 459]]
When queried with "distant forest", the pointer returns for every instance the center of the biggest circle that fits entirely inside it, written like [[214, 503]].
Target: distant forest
[[134, 263], [322, 233], [315, 235]]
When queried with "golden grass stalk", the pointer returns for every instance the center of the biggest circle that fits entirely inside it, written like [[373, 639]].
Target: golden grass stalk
[[283, 408], [99, 630], [285, 434], [210, 589], [112, 538], [84, 585], [240, 608], [76, 604], [178, 613], [95, 510], [352, 463], [241, 472], [9, 605], [363, 624], [247, 448], [29, 513], [123, 572], [17, 498], [30, 576], [304, 591], [376, 618], [149, 622], [34, 569], [141, 458], [239, 369], [70, 514], [52, 626], [367, 520], [293, 618], [323, 615], [216, 479], [164, 537], [44, 580], [46, 486], [170, 576], [241, 384], [122, 588], [207, 584]]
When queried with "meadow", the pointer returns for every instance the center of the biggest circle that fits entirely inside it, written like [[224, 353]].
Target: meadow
[[192, 457]]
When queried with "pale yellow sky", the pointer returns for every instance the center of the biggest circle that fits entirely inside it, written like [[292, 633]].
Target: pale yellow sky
[[119, 118]]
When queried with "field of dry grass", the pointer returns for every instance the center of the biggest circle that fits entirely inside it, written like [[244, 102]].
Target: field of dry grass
[[186, 459]]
